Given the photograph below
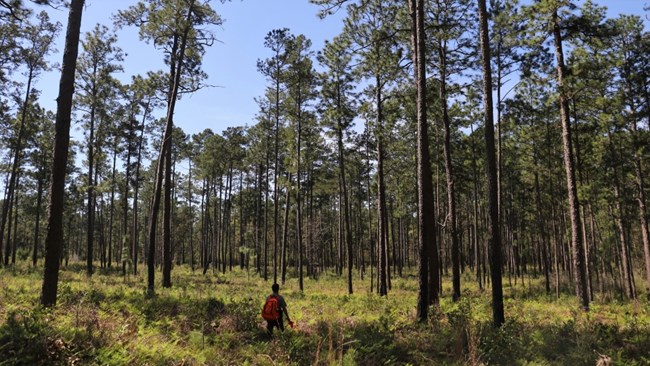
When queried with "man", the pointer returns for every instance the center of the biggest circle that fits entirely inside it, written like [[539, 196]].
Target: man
[[273, 309]]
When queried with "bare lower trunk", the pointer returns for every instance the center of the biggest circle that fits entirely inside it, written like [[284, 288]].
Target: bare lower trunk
[[579, 266], [426, 215], [494, 236], [54, 238], [166, 145]]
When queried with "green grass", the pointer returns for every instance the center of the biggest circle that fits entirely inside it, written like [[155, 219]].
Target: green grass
[[215, 320]]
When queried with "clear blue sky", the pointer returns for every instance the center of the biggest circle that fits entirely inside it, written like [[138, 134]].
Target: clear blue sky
[[231, 64]]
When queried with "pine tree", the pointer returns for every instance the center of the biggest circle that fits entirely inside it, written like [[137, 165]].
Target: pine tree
[[494, 236], [184, 48], [54, 238]]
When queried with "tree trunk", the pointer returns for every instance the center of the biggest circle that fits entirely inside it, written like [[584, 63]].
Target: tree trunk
[[276, 166], [14, 167], [37, 223], [266, 219], [494, 236], [190, 194], [136, 191], [258, 218], [14, 244], [285, 232], [112, 209], [166, 145], [476, 242], [579, 266], [54, 238], [382, 228], [124, 240], [301, 285], [625, 255], [371, 235], [542, 233], [167, 217], [426, 215], [451, 201], [90, 210], [343, 191], [643, 213]]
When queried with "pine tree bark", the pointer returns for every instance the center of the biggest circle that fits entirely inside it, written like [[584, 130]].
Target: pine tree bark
[[451, 200], [90, 208], [494, 235], [176, 70], [427, 245], [641, 199], [343, 191], [579, 266], [475, 219], [136, 191], [125, 207], [299, 203], [276, 167], [382, 228], [37, 222], [285, 233], [112, 210], [167, 217], [54, 238], [542, 231]]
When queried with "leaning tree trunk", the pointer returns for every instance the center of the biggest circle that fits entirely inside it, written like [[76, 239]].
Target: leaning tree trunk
[[54, 238], [167, 219], [579, 266], [166, 145]]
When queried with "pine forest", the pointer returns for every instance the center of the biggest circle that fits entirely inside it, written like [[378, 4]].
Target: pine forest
[[442, 182]]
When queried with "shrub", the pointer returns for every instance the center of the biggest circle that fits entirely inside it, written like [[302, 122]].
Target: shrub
[[25, 340], [503, 345], [245, 315]]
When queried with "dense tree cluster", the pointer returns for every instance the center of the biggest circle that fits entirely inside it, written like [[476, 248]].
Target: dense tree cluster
[[369, 157]]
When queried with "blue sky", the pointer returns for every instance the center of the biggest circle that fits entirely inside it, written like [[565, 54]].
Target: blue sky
[[231, 63]]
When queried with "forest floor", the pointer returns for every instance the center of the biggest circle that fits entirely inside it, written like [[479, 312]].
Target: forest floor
[[214, 319]]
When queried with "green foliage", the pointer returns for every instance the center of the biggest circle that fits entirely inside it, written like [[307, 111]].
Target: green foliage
[[503, 345], [22, 338], [203, 320]]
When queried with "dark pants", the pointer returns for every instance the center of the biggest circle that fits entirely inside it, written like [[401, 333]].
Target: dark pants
[[270, 324]]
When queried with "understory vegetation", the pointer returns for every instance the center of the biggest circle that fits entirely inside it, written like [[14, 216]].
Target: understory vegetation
[[215, 320]]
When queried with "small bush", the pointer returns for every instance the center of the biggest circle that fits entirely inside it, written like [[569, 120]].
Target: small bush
[[245, 314], [503, 345], [25, 339]]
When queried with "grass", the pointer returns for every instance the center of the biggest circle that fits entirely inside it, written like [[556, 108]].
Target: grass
[[215, 320]]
